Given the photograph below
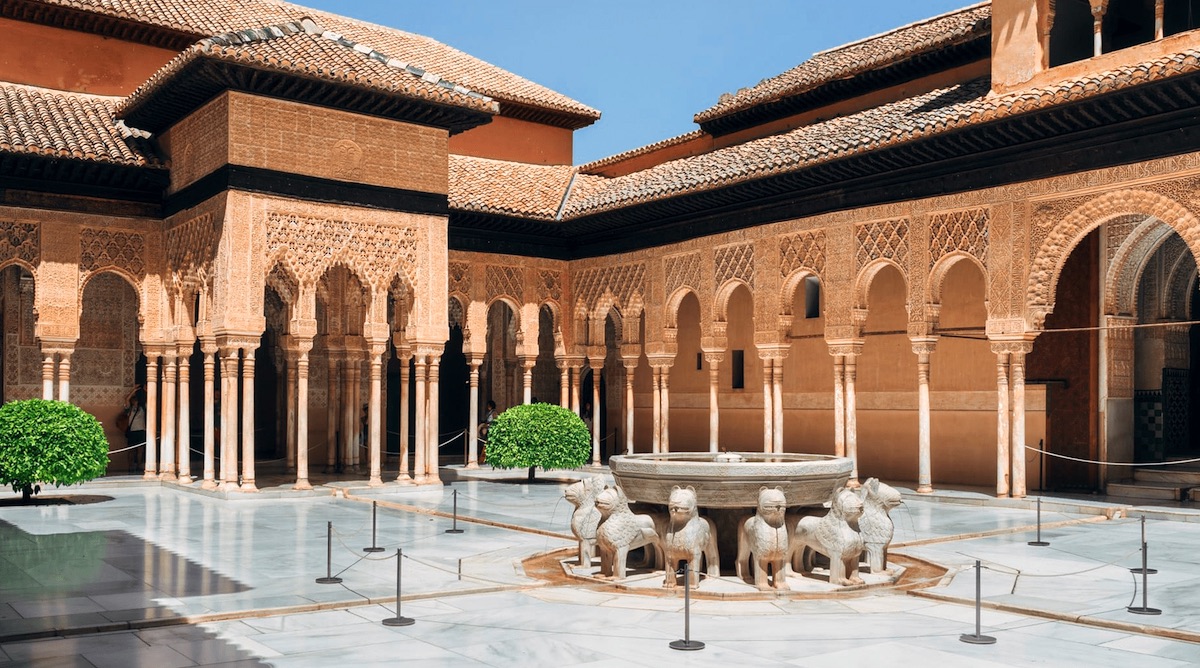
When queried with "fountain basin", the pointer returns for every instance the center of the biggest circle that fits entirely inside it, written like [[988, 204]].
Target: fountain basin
[[730, 480]]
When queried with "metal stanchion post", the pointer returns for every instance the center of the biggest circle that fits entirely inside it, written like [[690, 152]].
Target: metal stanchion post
[[1143, 570], [977, 638], [398, 620], [455, 528], [687, 644], [1144, 609], [1039, 542], [329, 579], [373, 548]]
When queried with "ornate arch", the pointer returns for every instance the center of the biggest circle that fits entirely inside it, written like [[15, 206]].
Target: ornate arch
[[1180, 266], [866, 276], [88, 276], [723, 295], [1128, 262], [1070, 231], [937, 276], [791, 283]]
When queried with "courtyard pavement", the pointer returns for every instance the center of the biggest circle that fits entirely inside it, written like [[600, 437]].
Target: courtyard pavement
[[150, 574]]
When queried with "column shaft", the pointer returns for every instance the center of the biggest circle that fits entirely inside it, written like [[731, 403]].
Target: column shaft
[[473, 418], [209, 420], [302, 422], [1018, 425], [629, 408], [373, 418], [714, 411], [333, 391], [185, 420], [596, 414], [248, 422], [656, 398], [420, 474], [768, 408], [665, 440], [289, 402], [169, 399], [777, 403], [431, 460], [924, 473], [839, 405], [851, 415], [1002, 426], [404, 476], [48, 376], [64, 376], [151, 416]]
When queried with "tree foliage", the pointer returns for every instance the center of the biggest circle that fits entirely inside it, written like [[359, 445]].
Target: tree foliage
[[538, 436], [50, 442]]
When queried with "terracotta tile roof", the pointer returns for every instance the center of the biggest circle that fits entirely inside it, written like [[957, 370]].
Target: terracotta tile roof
[[938, 112], [305, 49], [204, 18], [642, 150], [483, 185], [858, 57], [57, 124]]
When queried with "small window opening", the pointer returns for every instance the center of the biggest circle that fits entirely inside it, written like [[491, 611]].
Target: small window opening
[[812, 297], [738, 367]]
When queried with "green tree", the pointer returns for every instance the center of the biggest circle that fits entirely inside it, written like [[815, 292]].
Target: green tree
[[51, 442], [538, 435]]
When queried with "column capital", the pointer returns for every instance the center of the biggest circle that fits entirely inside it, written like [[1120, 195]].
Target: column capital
[[661, 361], [1012, 345], [714, 356], [208, 345], [630, 363], [242, 340], [845, 347], [296, 344], [773, 351], [924, 345], [596, 353]]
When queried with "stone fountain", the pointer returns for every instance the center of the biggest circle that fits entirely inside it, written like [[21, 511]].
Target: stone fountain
[[750, 501]]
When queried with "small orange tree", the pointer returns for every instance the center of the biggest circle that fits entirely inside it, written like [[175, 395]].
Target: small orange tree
[[49, 442], [538, 435]]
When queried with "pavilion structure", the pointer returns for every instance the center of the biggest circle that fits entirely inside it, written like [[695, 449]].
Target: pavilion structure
[[319, 240]]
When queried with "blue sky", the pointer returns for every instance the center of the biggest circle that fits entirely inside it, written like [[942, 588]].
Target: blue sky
[[649, 66]]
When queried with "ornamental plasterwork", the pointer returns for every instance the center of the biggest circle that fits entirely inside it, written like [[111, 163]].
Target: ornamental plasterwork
[[549, 286], [312, 245], [885, 239], [1120, 346], [192, 248], [804, 250], [622, 281], [962, 231], [734, 261], [459, 279], [103, 248], [504, 281], [682, 271], [20, 241]]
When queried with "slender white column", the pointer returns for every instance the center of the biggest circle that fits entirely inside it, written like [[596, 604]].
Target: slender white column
[[576, 383], [333, 392], [210, 353], [349, 411], [596, 370], [420, 473], [248, 422], [1018, 423], [373, 416], [630, 367], [564, 383], [404, 477], [473, 416], [1002, 425], [64, 375], [527, 365], [665, 441], [290, 408], [777, 403], [185, 419], [431, 460], [768, 408], [851, 415], [923, 349], [714, 409], [169, 399], [48, 376], [151, 416], [656, 399], [839, 405], [229, 419], [302, 418]]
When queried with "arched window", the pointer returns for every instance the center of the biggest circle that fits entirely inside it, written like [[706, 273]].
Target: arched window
[[1127, 23]]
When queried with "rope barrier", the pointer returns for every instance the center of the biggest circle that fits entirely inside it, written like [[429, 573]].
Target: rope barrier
[[132, 447], [1092, 461]]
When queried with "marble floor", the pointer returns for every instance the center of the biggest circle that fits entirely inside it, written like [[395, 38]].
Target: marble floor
[[156, 575]]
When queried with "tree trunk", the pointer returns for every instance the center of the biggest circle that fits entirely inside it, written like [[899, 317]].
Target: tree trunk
[[531, 470], [26, 493]]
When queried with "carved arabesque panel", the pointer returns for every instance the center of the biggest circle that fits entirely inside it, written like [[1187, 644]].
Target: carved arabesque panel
[[20, 241], [105, 354], [549, 286], [375, 251], [1120, 348], [804, 250], [192, 249], [682, 271], [963, 231], [459, 277], [622, 280], [101, 248], [735, 261], [885, 239], [504, 281]]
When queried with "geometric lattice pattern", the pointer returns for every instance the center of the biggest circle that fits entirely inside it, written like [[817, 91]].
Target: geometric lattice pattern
[[503, 281], [100, 248], [549, 286], [20, 241], [887, 239], [804, 250], [735, 262], [623, 280], [682, 271], [965, 231], [1148, 426], [1176, 399], [374, 251], [459, 275]]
